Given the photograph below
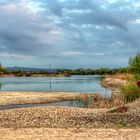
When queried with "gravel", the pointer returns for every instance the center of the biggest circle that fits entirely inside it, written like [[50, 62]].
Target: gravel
[[66, 117]]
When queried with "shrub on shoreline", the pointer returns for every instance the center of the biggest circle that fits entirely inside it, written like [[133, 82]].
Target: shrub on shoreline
[[130, 90]]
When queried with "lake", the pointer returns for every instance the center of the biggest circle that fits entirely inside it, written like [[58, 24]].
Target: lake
[[81, 83]]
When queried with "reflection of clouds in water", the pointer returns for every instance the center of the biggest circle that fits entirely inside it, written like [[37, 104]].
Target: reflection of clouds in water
[[80, 104], [82, 84]]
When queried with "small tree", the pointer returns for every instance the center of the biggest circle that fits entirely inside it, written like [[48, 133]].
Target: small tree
[[1, 69], [134, 64]]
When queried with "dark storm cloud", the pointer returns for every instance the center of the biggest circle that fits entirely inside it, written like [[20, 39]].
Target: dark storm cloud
[[94, 13], [19, 28], [88, 12]]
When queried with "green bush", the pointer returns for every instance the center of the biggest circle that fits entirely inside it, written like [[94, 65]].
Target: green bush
[[134, 64], [130, 90]]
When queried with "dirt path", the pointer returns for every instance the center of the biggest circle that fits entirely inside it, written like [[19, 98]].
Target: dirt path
[[69, 134]]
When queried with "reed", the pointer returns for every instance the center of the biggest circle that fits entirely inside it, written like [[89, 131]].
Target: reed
[[108, 102]]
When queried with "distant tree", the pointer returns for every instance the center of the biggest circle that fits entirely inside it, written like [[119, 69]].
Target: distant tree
[[3, 70]]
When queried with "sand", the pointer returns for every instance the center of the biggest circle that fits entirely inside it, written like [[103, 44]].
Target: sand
[[18, 98], [69, 134]]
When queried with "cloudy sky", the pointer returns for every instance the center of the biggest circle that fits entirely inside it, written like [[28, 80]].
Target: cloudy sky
[[69, 33]]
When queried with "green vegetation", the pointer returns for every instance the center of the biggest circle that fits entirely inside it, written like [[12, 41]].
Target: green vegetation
[[20, 73], [100, 71], [134, 64], [3, 70], [130, 90], [134, 67]]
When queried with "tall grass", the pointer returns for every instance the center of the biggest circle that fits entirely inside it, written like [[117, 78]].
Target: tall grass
[[130, 90], [108, 101]]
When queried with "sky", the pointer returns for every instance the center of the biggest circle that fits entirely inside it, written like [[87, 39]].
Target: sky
[[69, 33]]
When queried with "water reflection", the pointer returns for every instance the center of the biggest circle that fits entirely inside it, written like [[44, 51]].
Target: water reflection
[[0, 86], [80, 104], [88, 103], [82, 84]]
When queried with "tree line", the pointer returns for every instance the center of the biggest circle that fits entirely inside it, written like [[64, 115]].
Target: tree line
[[134, 67], [100, 71]]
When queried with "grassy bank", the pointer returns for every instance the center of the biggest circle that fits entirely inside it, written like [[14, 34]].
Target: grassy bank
[[126, 87]]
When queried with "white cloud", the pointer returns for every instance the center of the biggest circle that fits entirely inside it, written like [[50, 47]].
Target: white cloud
[[97, 54], [136, 21], [8, 8], [15, 56], [72, 53]]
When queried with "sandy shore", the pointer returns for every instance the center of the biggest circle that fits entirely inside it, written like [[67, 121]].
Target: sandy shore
[[18, 98], [62, 123], [113, 82], [65, 123], [69, 134], [63, 117]]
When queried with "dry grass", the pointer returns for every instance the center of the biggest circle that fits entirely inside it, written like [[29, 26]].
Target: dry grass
[[112, 83], [125, 76], [108, 102]]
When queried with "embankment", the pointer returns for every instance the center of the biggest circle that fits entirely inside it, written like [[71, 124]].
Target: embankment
[[113, 82]]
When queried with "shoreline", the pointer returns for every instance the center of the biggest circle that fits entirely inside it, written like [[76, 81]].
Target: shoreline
[[35, 75], [65, 117], [19, 98], [47, 75], [112, 82]]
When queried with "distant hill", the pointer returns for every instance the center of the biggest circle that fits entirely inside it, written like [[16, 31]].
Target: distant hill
[[30, 69]]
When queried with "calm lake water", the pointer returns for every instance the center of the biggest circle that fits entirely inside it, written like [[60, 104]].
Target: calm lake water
[[82, 84]]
